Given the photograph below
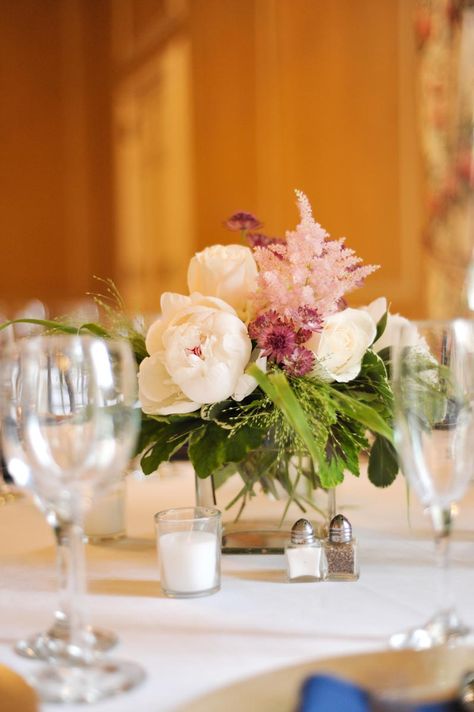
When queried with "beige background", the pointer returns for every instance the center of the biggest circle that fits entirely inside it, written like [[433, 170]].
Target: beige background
[[131, 128]]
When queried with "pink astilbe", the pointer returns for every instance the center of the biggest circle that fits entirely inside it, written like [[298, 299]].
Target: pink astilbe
[[306, 277], [258, 239]]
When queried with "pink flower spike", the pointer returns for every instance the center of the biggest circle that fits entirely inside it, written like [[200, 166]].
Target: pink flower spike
[[310, 318], [242, 221], [305, 277], [258, 239]]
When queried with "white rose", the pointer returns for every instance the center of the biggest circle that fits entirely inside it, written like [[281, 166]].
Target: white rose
[[198, 350], [228, 272], [341, 345], [376, 310]]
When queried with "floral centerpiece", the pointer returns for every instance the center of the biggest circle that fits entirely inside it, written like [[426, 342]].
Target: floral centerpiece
[[263, 365]]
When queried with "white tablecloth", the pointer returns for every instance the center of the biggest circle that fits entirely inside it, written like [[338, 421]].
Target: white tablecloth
[[257, 622]]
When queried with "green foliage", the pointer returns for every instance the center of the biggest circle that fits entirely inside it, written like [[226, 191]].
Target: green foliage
[[381, 326], [383, 463], [166, 440]]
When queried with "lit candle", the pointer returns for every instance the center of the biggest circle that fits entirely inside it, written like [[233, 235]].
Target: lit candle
[[188, 561]]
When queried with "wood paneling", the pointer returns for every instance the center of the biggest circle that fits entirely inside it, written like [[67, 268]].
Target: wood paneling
[[315, 95], [31, 167], [218, 105], [55, 168]]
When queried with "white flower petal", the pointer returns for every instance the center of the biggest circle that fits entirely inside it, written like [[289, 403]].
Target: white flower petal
[[341, 345], [158, 393], [228, 272], [247, 384]]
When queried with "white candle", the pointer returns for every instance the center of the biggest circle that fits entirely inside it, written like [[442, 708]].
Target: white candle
[[106, 517], [188, 561]]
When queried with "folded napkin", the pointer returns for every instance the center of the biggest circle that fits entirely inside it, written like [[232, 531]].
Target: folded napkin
[[323, 693]]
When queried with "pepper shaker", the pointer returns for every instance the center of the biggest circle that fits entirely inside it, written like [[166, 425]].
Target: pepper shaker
[[341, 551], [305, 557]]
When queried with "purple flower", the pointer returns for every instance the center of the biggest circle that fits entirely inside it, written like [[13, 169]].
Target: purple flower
[[242, 221], [262, 323], [274, 335], [278, 342], [258, 239], [302, 335], [300, 362]]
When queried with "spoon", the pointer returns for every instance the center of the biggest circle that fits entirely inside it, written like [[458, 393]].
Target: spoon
[[466, 691]]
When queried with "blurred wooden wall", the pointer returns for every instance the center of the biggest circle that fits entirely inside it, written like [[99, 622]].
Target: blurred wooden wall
[[132, 128], [55, 168]]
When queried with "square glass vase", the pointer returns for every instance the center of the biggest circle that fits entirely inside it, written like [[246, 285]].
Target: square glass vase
[[258, 519]]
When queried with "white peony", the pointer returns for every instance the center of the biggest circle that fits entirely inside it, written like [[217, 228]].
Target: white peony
[[228, 272], [246, 384], [376, 310], [341, 345], [198, 349]]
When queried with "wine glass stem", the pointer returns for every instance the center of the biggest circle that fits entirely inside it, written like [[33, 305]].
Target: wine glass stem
[[61, 615], [71, 570], [442, 523]]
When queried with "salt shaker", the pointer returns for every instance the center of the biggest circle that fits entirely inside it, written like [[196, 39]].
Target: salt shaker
[[341, 551], [305, 556]]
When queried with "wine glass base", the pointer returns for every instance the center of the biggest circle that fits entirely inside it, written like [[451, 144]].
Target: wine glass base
[[444, 627], [89, 684], [53, 644]]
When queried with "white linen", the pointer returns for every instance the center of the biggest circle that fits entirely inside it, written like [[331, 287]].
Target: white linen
[[258, 621]]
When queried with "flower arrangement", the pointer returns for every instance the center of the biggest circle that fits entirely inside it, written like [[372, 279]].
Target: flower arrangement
[[264, 361]]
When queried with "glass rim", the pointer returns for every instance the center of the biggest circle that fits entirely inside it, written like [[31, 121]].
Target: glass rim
[[25, 342], [172, 515], [439, 322]]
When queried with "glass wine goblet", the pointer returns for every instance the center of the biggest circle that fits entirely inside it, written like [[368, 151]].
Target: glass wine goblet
[[8, 492], [52, 642], [69, 423], [433, 383]]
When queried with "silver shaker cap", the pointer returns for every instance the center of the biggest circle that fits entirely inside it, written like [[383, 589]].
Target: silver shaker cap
[[302, 532], [340, 529]]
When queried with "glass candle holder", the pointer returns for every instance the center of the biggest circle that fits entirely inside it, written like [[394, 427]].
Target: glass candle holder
[[105, 520], [189, 545]]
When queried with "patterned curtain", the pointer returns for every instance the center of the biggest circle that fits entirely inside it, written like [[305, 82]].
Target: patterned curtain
[[445, 41]]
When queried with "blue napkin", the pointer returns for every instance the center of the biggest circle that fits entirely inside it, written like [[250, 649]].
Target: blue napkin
[[323, 693]]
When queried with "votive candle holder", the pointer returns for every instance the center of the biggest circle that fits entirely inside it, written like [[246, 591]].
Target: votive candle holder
[[189, 551]]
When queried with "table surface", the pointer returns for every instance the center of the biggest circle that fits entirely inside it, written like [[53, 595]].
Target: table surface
[[257, 622]]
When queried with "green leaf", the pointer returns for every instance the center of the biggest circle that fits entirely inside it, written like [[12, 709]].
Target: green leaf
[[364, 414], [63, 328], [161, 452], [331, 473], [386, 356], [346, 442], [167, 438], [381, 326], [277, 388], [242, 441], [95, 329], [383, 463], [47, 323], [207, 449]]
